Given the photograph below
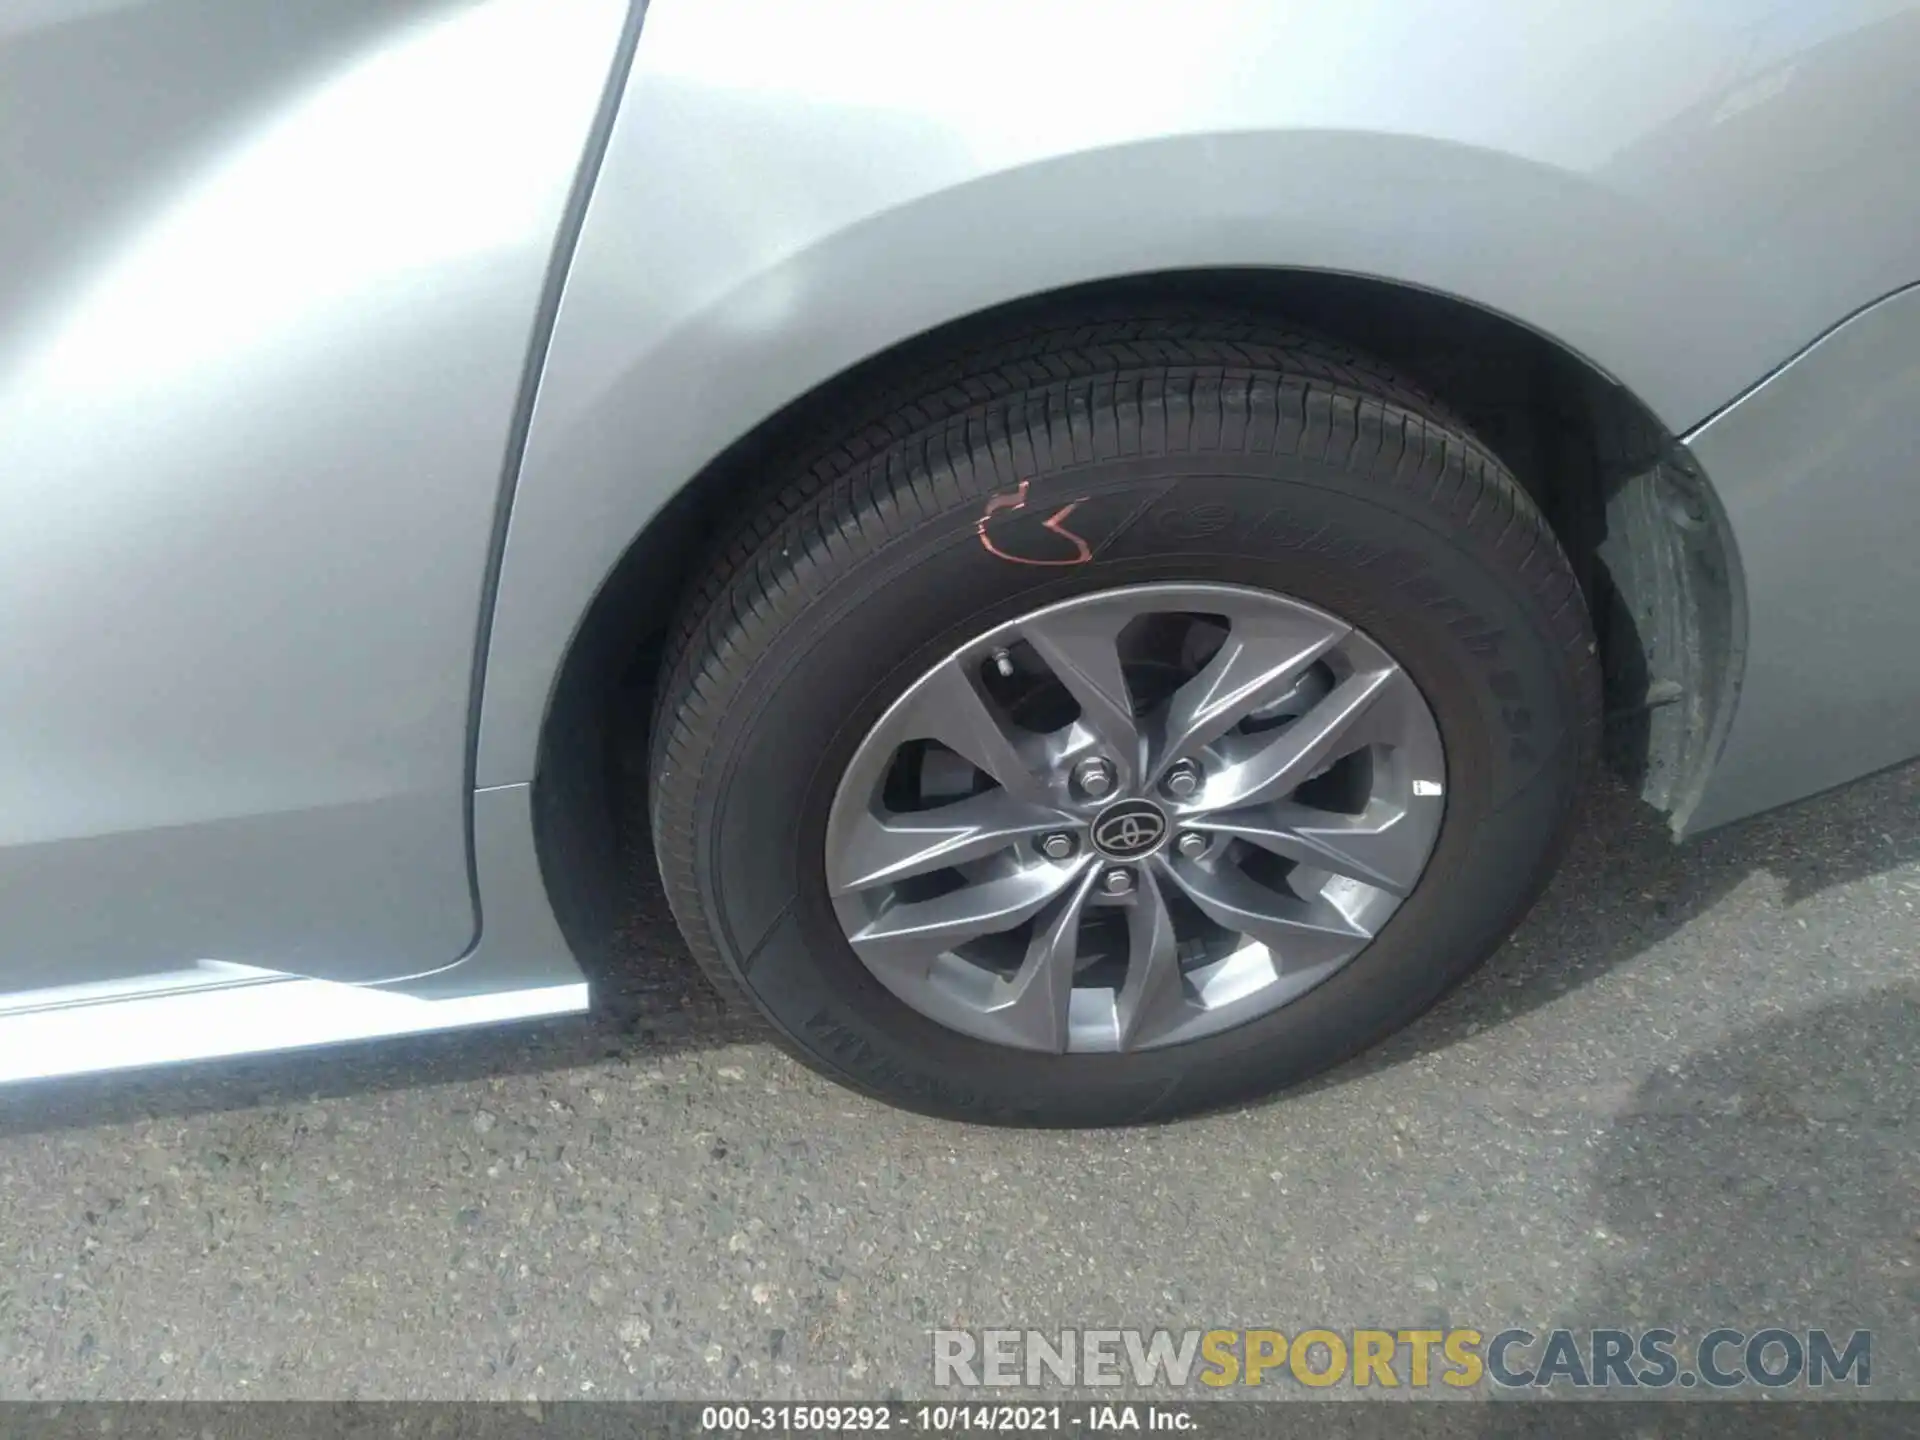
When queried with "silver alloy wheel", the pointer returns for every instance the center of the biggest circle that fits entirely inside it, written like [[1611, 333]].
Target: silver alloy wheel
[[1311, 768]]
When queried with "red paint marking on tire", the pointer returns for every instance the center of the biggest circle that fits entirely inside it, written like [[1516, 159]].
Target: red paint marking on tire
[[1055, 522]]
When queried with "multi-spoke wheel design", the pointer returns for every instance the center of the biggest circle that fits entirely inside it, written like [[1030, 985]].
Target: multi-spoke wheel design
[[1135, 818]]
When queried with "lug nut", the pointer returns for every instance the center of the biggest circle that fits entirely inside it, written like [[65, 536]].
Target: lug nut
[[1192, 844], [1182, 780], [1117, 882], [1093, 777], [1058, 846]]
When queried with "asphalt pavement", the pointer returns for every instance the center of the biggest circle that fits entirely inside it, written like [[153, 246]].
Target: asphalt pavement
[[1683, 1094]]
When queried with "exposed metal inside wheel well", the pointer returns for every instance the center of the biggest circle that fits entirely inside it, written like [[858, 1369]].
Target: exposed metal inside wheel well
[[1640, 523]]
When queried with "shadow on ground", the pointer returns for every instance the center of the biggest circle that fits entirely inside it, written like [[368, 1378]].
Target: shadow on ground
[[1625, 886], [1755, 1185], [1763, 1180]]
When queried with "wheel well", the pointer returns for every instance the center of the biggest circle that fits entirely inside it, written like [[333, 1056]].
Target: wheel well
[[1639, 522]]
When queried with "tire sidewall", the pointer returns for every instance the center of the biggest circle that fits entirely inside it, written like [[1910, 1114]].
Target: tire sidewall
[[1436, 591]]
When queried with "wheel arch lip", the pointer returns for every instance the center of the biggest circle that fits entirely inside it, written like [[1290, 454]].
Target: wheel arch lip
[[629, 414]]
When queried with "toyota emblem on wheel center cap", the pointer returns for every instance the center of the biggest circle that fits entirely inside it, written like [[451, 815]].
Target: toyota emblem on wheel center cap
[[1130, 830]]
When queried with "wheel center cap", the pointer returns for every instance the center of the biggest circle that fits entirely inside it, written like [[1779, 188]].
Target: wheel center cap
[[1130, 830]]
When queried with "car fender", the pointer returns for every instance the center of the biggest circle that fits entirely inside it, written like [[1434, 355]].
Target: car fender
[[790, 190]]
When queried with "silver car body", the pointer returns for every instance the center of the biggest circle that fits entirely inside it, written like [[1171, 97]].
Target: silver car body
[[346, 346]]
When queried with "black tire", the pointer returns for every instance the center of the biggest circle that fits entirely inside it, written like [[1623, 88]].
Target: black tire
[[1198, 449]]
